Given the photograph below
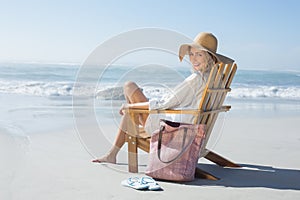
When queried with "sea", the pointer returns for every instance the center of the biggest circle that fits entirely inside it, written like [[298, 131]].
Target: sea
[[57, 80], [35, 97]]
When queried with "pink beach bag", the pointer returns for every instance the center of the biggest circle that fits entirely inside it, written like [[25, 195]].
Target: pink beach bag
[[174, 151]]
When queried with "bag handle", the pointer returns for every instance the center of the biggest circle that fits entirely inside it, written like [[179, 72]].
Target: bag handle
[[162, 128]]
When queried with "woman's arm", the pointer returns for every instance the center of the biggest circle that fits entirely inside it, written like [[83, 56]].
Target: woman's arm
[[141, 105], [182, 95]]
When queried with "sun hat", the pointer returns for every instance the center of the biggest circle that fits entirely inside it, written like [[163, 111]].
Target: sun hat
[[207, 42]]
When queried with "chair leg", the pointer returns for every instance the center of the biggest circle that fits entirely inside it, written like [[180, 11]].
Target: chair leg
[[199, 173], [132, 154], [219, 160]]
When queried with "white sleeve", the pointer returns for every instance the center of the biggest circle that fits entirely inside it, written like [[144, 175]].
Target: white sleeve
[[181, 96]]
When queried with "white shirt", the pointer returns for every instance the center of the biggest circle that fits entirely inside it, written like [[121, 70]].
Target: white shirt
[[186, 95]]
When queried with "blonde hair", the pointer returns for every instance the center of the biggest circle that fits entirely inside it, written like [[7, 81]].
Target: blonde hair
[[210, 62]]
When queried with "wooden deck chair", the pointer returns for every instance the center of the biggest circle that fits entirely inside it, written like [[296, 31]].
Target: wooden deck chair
[[211, 105]]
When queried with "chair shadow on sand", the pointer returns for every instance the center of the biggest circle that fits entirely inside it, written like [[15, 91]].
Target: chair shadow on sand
[[251, 176]]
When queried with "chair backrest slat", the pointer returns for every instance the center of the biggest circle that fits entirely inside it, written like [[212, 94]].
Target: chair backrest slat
[[205, 96], [218, 86]]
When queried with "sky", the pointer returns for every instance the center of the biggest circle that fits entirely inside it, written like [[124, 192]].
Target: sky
[[258, 34]]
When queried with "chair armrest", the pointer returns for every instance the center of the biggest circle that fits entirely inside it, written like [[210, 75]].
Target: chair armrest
[[136, 111], [169, 111]]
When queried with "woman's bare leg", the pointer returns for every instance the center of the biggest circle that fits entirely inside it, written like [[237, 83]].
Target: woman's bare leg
[[133, 94]]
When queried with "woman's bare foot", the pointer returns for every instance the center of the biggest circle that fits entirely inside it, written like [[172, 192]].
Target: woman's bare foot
[[106, 159]]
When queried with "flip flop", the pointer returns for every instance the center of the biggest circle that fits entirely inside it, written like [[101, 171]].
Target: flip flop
[[134, 183], [152, 184]]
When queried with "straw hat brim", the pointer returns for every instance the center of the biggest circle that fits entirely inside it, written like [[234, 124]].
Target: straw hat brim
[[184, 50]]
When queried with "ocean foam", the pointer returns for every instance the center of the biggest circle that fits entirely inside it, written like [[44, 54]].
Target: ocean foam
[[292, 93], [49, 89], [289, 93], [36, 88]]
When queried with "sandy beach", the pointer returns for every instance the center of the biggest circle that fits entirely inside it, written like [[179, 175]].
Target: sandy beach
[[56, 165]]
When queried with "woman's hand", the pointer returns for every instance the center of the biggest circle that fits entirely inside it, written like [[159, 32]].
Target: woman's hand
[[124, 106], [141, 105]]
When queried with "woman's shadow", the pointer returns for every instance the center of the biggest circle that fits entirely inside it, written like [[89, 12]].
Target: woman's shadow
[[251, 176]]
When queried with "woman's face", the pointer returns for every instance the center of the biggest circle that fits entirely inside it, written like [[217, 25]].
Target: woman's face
[[198, 58]]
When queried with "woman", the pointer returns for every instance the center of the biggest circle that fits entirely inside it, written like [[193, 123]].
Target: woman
[[203, 56]]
